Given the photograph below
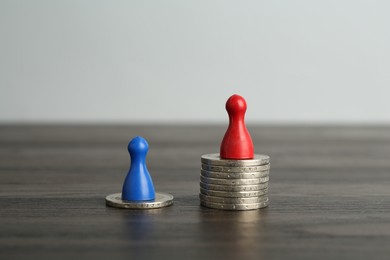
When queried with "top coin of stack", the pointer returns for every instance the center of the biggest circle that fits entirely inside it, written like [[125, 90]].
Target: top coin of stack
[[236, 178]]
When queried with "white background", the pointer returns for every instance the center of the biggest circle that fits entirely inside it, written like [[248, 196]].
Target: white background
[[178, 61]]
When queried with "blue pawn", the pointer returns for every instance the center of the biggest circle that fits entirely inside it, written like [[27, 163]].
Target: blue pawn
[[138, 185]]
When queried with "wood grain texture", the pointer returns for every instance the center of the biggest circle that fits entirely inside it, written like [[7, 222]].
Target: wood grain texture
[[329, 194]]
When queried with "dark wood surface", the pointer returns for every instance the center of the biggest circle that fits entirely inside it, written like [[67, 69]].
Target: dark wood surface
[[329, 195]]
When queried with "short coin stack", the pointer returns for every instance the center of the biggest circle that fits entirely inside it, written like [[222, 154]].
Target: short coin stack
[[234, 184]]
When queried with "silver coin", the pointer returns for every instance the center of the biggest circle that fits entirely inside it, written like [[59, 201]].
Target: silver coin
[[233, 200], [234, 188], [234, 175], [224, 206], [161, 200], [215, 159], [237, 194], [216, 168], [233, 181]]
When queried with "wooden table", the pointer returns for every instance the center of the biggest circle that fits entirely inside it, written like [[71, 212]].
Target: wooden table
[[329, 194]]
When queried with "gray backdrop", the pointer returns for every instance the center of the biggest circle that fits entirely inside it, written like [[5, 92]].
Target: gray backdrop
[[178, 61]]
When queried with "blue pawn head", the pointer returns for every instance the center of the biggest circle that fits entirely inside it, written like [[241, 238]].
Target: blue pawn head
[[138, 185]]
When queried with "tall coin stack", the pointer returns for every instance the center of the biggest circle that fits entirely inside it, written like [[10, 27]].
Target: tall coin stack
[[234, 184]]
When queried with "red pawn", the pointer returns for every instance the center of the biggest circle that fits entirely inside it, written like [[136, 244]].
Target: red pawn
[[237, 143]]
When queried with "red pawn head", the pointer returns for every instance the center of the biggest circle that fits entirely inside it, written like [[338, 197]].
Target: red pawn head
[[237, 143]]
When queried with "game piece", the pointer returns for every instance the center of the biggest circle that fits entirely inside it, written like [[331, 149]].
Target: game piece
[[138, 184], [138, 189], [237, 143], [235, 179]]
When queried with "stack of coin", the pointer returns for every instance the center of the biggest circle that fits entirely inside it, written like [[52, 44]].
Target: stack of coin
[[234, 184]]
